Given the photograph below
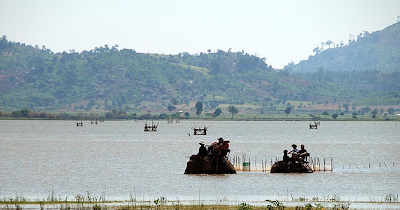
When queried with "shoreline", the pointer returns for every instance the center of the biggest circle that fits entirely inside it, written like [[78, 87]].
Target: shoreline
[[200, 204], [277, 119]]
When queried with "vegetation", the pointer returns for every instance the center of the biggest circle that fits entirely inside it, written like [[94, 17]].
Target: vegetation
[[242, 206], [360, 115], [367, 51], [199, 108], [90, 201], [233, 110], [120, 82], [288, 110]]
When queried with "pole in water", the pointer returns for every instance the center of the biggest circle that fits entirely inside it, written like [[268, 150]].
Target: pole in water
[[262, 165], [319, 165], [249, 165]]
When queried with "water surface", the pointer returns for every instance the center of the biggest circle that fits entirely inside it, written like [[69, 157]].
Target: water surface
[[117, 159]]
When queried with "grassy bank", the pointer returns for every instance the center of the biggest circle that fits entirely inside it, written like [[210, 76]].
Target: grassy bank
[[170, 206], [96, 203]]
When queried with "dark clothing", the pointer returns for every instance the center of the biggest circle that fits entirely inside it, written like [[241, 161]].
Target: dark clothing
[[301, 152], [202, 151], [286, 158]]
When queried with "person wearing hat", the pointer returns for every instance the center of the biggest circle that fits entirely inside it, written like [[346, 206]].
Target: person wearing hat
[[294, 152], [224, 148], [202, 150], [212, 149]]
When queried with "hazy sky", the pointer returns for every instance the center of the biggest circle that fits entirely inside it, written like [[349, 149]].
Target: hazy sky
[[281, 30]]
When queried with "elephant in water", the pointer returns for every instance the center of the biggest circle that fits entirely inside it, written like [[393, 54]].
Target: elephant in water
[[290, 167], [202, 165]]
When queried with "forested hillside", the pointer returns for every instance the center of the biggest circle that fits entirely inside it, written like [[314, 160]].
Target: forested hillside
[[379, 50], [109, 78]]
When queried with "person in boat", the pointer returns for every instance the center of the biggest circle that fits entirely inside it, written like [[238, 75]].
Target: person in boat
[[302, 153], [202, 150], [294, 152]]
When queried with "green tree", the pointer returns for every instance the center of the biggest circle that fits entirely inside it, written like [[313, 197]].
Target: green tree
[[3, 42], [199, 108], [316, 50], [233, 110], [187, 114], [171, 107], [25, 113], [391, 110], [329, 43], [16, 114], [346, 107], [217, 112], [326, 113], [288, 110], [334, 116]]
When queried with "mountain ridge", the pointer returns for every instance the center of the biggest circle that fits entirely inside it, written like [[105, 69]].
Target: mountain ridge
[[108, 78], [378, 50]]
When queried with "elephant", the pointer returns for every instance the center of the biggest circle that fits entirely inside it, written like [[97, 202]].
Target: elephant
[[290, 167], [202, 165]]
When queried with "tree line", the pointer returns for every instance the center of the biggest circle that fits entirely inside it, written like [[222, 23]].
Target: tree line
[[108, 78], [114, 114]]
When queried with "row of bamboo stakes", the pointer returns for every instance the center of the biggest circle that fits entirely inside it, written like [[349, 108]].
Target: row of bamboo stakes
[[316, 164], [244, 164]]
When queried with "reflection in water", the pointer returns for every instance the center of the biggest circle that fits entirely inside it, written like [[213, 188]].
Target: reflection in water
[[119, 159]]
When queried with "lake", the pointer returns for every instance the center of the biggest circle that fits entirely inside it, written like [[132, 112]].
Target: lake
[[117, 159]]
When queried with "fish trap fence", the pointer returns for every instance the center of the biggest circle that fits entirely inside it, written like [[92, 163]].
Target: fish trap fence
[[264, 165], [372, 165]]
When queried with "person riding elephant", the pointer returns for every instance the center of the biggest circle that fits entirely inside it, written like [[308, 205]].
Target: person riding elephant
[[202, 150], [215, 163], [303, 153], [224, 148], [294, 152]]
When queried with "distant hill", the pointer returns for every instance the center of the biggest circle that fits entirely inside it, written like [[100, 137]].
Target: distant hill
[[108, 78], [379, 50]]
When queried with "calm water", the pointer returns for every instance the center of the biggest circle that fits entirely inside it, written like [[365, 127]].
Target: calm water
[[117, 159]]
